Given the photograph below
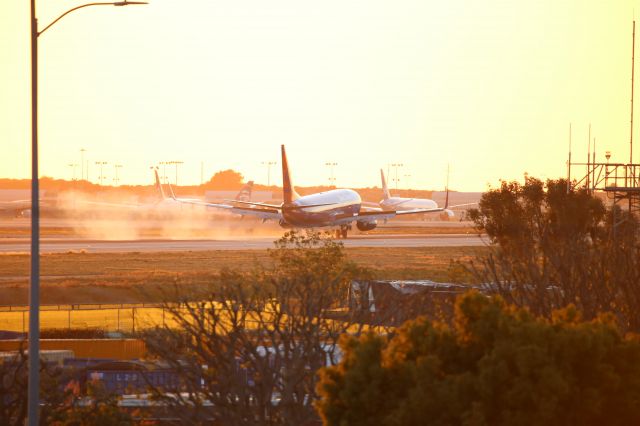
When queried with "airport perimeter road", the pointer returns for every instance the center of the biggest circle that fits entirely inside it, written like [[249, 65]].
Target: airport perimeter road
[[262, 243]]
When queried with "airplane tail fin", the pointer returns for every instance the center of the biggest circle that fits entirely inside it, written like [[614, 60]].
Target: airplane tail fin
[[385, 190], [171, 191], [288, 191], [245, 192], [158, 185], [446, 200]]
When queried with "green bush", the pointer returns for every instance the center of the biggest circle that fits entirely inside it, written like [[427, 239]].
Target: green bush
[[497, 365]]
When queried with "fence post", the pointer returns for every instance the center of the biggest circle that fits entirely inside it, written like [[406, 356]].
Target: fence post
[[133, 320], [69, 318], [23, 322], [118, 324]]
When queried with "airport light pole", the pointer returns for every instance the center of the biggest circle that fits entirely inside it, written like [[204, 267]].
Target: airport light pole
[[269, 164], [164, 170], [406, 179], [176, 163], [101, 164], [332, 179], [82, 151], [117, 179], [33, 397], [73, 170], [397, 165]]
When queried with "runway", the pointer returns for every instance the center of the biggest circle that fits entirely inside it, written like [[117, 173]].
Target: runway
[[21, 245]]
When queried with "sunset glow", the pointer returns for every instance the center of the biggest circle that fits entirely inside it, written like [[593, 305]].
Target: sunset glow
[[488, 87]]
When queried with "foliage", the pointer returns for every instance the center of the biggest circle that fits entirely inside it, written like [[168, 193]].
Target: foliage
[[13, 389], [247, 353], [225, 179], [60, 405], [554, 247], [497, 365], [96, 408]]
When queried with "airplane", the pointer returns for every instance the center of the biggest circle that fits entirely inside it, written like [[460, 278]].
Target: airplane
[[22, 208], [245, 192], [389, 202], [17, 208], [337, 208], [243, 195], [163, 205]]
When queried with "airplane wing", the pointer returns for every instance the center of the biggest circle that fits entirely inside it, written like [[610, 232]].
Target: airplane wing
[[23, 204], [463, 205], [369, 204], [418, 211], [107, 204], [264, 211], [15, 204], [372, 214], [251, 203]]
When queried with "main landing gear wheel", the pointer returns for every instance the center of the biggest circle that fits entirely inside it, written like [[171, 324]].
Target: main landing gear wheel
[[342, 233]]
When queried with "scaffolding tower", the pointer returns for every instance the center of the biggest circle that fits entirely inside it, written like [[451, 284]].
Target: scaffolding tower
[[620, 182]]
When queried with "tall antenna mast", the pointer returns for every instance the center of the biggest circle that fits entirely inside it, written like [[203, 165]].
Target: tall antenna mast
[[593, 181], [633, 51], [589, 159], [569, 163]]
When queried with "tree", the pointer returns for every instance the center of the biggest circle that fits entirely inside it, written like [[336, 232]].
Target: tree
[[248, 352], [60, 397], [97, 408], [497, 365], [555, 247], [225, 179]]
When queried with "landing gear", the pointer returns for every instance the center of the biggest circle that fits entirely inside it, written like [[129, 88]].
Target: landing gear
[[342, 233]]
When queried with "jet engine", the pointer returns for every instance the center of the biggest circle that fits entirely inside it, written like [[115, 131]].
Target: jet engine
[[284, 224], [366, 226]]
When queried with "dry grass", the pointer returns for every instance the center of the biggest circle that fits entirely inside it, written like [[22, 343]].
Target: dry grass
[[422, 230], [146, 277]]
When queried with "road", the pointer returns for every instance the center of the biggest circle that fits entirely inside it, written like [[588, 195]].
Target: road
[[21, 245]]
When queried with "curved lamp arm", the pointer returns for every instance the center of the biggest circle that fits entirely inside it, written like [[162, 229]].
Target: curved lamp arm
[[117, 3]]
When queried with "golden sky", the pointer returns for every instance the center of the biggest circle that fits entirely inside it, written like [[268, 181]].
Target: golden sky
[[487, 86]]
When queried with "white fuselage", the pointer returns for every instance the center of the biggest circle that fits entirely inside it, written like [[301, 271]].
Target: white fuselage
[[331, 208], [400, 203]]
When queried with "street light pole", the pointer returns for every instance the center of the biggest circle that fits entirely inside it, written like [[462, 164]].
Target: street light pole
[[101, 164], [82, 151], [117, 179], [176, 163], [33, 400], [406, 179], [332, 179], [396, 165], [33, 397], [73, 170], [269, 164], [164, 171]]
